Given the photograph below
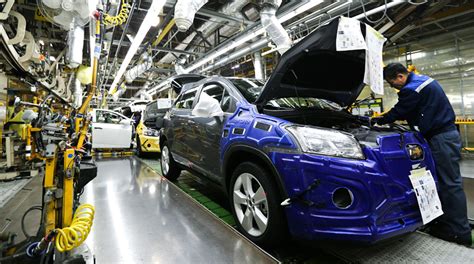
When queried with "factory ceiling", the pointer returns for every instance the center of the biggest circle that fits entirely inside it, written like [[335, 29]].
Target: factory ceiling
[[215, 26]]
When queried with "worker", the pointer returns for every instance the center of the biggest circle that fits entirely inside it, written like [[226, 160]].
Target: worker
[[423, 103]]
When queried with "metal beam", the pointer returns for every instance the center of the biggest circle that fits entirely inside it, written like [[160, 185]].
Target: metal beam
[[126, 43]]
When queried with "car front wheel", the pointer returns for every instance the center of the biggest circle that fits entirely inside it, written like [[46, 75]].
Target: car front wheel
[[256, 206], [169, 168]]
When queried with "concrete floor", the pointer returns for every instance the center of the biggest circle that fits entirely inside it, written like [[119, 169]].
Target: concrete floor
[[141, 218]]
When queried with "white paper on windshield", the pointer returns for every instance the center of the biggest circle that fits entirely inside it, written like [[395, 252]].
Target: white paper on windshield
[[426, 194], [373, 75], [349, 36], [164, 103]]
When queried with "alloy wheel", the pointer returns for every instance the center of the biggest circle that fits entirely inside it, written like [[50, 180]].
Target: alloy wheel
[[250, 204]]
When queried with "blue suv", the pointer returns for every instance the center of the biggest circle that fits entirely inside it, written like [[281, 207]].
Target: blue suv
[[291, 157]]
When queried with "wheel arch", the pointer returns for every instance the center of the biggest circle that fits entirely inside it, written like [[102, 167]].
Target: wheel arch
[[236, 154]]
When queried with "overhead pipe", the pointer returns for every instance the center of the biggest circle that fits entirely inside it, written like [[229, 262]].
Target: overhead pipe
[[273, 27], [256, 31], [208, 27], [20, 28], [147, 23], [262, 43], [139, 69], [75, 44], [30, 47], [184, 12], [6, 9]]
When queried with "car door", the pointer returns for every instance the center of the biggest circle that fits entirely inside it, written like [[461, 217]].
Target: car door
[[111, 130], [180, 120], [209, 130]]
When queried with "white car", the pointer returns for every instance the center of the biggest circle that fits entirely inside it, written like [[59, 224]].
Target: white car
[[111, 129]]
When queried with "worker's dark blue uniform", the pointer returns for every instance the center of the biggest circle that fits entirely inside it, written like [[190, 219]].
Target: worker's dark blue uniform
[[423, 103]]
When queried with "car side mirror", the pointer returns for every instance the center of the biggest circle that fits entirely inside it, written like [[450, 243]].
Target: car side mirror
[[207, 107]]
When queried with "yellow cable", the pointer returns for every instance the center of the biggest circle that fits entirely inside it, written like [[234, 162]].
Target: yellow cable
[[120, 18], [71, 237]]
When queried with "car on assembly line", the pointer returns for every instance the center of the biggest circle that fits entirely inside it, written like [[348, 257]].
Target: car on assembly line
[[111, 130], [147, 136], [289, 155]]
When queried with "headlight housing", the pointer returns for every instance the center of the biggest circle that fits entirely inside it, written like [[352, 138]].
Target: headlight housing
[[326, 142], [151, 132]]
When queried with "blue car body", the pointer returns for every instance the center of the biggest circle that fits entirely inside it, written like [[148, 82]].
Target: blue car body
[[363, 199], [384, 203]]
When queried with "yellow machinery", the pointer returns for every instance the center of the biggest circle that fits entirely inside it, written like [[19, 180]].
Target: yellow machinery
[[59, 142]]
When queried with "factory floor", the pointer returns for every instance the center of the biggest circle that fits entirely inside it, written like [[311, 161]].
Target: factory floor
[[142, 218]]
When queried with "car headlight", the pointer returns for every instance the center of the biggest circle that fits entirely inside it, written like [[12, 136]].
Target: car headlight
[[151, 132], [326, 142]]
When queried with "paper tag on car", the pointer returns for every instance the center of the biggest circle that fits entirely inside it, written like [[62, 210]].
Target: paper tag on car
[[426, 194]]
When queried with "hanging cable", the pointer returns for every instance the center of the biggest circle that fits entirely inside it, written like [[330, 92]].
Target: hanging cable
[[121, 17], [367, 17], [71, 237]]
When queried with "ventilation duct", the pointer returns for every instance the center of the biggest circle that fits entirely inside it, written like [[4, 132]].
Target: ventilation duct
[[231, 9], [139, 69], [185, 11], [75, 44], [271, 25]]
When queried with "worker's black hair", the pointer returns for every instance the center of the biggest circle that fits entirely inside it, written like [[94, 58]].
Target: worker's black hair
[[391, 71]]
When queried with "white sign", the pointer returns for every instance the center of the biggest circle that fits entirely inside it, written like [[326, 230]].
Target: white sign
[[349, 36], [426, 194], [373, 60]]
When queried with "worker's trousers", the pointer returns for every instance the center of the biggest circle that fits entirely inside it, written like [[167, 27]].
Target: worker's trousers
[[446, 150]]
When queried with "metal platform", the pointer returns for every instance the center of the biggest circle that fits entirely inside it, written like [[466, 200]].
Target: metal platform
[[413, 248]]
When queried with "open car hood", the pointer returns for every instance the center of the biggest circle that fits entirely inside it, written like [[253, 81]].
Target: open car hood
[[313, 68]]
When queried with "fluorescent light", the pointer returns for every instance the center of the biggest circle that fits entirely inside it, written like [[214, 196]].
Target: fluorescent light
[[148, 21], [235, 67]]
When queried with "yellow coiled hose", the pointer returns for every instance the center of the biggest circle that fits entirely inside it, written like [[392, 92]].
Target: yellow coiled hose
[[73, 236], [120, 18]]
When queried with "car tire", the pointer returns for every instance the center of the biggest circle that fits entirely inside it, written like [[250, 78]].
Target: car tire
[[140, 153], [256, 206], [169, 168]]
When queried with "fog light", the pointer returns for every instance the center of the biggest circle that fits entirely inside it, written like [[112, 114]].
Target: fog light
[[342, 198], [415, 151]]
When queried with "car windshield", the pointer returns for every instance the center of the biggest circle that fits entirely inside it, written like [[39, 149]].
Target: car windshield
[[249, 88], [304, 102]]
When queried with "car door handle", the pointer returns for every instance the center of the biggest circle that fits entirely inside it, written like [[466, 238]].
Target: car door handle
[[97, 128]]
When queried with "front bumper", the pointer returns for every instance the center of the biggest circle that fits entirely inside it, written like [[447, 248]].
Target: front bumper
[[149, 144], [383, 202]]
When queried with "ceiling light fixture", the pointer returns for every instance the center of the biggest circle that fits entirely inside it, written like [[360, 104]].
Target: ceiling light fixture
[[149, 20]]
